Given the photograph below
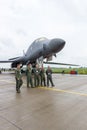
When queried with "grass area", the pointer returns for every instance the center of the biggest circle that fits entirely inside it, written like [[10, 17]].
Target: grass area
[[68, 70], [61, 70]]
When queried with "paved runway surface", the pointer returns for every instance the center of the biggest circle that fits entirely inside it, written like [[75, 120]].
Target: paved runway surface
[[63, 107]]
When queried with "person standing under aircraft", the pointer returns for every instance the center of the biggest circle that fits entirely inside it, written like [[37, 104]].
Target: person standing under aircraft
[[18, 78], [29, 76], [36, 76], [49, 76], [42, 76]]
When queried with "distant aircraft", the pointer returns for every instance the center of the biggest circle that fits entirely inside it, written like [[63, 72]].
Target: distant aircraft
[[40, 49]]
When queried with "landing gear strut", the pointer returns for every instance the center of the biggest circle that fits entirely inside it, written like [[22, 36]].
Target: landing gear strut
[[40, 62]]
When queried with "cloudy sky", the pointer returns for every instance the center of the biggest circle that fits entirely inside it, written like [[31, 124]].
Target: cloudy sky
[[23, 21]]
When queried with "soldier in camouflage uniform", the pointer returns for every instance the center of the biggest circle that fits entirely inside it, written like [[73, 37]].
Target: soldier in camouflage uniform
[[36, 76], [49, 76], [42, 76], [29, 76], [18, 78]]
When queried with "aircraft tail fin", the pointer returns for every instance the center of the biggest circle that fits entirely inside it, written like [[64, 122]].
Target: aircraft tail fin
[[10, 60]]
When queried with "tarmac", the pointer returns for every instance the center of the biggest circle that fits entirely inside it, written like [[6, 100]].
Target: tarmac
[[63, 107]]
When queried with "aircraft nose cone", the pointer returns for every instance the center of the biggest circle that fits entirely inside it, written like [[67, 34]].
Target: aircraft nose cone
[[57, 44], [61, 43]]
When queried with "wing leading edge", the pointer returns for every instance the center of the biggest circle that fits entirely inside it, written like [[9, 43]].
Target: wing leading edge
[[54, 63], [5, 61]]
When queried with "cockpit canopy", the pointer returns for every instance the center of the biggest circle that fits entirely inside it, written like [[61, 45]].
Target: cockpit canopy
[[40, 39]]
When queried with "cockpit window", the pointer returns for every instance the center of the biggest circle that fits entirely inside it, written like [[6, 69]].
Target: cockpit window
[[40, 39]]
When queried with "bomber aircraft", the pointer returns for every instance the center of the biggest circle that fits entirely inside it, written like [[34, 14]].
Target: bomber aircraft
[[42, 48]]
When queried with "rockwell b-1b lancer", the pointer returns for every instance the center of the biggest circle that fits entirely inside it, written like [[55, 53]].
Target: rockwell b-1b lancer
[[42, 48]]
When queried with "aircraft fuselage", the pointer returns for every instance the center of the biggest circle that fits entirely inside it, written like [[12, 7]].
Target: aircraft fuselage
[[41, 47]]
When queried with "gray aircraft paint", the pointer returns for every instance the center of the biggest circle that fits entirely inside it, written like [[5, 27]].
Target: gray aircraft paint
[[41, 47]]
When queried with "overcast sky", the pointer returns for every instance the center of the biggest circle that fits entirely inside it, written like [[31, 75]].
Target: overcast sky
[[23, 21]]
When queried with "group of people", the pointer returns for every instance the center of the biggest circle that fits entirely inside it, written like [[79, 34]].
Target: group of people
[[35, 77]]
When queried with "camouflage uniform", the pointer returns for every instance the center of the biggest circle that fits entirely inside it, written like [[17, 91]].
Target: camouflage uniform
[[36, 77], [29, 77], [18, 78], [49, 77], [42, 77]]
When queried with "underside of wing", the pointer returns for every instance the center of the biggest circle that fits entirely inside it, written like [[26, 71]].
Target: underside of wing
[[55, 63]]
